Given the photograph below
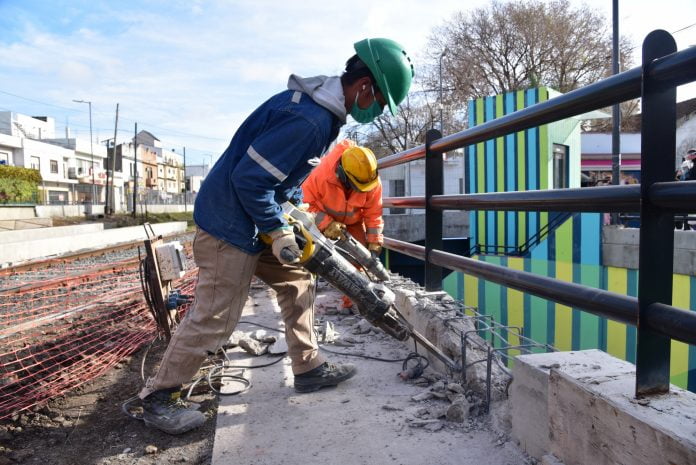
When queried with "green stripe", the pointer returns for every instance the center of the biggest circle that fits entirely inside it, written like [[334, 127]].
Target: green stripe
[[564, 242], [493, 302], [539, 306], [521, 173], [545, 158], [501, 169]]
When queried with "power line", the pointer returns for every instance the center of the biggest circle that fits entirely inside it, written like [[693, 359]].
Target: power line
[[170, 131], [673, 32], [42, 103]]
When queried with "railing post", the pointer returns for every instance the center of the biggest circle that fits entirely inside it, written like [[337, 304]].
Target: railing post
[[433, 218], [658, 145]]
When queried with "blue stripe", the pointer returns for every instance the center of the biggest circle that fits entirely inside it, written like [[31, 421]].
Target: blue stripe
[[471, 182], [590, 238], [490, 172], [510, 159]]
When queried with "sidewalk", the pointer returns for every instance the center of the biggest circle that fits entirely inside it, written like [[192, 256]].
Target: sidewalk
[[363, 421]]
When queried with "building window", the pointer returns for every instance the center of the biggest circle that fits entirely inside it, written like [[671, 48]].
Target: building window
[[35, 163], [54, 166], [397, 188], [560, 166], [4, 158]]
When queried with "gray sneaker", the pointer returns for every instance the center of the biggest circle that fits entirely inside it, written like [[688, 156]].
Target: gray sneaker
[[326, 374], [165, 411]]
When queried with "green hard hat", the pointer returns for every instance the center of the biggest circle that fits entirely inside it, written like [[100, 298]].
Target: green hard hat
[[391, 67]]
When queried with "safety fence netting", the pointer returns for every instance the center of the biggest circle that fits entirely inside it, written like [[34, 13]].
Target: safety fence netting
[[65, 329]]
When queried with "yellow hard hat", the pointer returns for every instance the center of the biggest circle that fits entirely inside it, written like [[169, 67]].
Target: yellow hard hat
[[360, 166]]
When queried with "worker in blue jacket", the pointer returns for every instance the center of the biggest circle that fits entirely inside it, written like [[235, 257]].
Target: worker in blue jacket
[[270, 155]]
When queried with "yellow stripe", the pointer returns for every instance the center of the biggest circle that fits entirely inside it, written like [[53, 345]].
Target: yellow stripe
[[564, 314], [617, 281], [515, 302], [470, 291], [679, 361]]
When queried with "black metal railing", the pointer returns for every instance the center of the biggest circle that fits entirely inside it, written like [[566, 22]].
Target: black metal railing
[[657, 199]]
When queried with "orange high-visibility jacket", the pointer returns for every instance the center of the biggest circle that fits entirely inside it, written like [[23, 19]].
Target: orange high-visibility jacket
[[361, 212]]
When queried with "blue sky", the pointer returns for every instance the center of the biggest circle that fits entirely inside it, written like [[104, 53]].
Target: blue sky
[[191, 71]]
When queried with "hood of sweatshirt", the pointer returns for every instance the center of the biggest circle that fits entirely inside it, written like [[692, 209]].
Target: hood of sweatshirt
[[327, 91]]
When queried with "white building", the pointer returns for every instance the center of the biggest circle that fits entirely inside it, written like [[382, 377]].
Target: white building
[[408, 179], [65, 164]]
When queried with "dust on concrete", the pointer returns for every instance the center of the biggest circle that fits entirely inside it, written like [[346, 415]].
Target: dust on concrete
[[375, 417]]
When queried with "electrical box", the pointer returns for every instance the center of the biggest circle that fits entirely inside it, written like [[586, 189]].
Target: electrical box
[[170, 260]]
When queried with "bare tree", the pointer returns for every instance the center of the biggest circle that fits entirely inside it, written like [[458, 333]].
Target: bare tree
[[503, 47], [516, 45], [390, 134]]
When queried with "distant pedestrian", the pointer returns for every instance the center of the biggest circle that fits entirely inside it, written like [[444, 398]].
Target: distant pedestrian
[[688, 166]]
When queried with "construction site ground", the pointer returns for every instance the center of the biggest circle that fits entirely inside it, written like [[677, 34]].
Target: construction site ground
[[371, 418]]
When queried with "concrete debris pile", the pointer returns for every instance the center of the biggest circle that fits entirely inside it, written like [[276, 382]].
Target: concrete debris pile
[[445, 401]]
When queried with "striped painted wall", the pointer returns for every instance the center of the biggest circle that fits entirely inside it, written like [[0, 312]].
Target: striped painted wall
[[516, 162], [572, 253]]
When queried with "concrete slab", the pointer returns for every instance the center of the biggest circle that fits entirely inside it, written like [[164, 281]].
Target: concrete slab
[[29, 223], [580, 407], [596, 419], [362, 421], [15, 212], [26, 251], [57, 232], [529, 391]]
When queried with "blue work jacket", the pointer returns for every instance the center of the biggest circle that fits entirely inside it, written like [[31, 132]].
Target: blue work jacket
[[270, 155]]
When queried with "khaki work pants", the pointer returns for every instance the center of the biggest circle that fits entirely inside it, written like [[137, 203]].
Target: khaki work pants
[[224, 278]]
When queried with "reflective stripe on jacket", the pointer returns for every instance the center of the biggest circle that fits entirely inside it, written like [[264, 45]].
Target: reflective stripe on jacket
[[269, 156], [326, 196]]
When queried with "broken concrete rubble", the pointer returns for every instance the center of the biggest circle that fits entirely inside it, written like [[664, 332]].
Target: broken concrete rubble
[[439, 318]]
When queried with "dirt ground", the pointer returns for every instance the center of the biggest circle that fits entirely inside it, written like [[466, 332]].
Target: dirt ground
[[88, 427]]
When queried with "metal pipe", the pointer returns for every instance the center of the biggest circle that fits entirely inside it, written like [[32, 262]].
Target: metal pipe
[[406, 248], [606, 304], [585, 199], [674, 322], [676, 196], [409, 202], [672, 70]]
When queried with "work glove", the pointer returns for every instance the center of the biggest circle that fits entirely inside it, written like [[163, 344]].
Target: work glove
[[284, 246], [375, 249], [334, 230]]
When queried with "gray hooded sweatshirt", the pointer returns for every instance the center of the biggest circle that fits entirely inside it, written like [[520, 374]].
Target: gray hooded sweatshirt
[[327, 91]]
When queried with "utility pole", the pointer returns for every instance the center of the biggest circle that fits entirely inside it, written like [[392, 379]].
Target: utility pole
[[135, 169], [616, 109], [110, 162], [185, 179], [91, 147], [442, 126]]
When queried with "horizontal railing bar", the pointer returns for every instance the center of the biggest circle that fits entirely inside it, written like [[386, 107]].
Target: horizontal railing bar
[[674, 322], [675, 69], [406, 248], [406, 156], [606, 304], [403, 202], [602, 199], [676, 196], [581, 199]]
